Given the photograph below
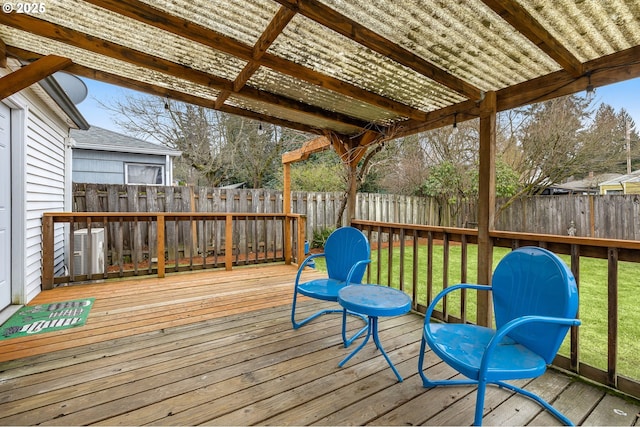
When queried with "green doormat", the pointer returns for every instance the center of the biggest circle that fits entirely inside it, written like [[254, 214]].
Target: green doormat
[[35, 319]]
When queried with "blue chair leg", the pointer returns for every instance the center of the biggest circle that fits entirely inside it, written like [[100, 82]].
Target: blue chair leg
[[559, 415], [428, 383], [482, 387], [346, 341]]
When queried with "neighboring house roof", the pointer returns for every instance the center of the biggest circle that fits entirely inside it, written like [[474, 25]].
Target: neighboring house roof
[[628, 178], [97, 138], [589, 183]]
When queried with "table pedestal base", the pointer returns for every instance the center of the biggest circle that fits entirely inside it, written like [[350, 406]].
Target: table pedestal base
[[371, 331]]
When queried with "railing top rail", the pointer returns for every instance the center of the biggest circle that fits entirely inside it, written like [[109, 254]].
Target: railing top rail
[[68, 216], [536, 237], [418, 227], [572, 240]]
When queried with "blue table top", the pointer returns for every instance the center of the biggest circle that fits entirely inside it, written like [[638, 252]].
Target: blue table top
[[374, 300]]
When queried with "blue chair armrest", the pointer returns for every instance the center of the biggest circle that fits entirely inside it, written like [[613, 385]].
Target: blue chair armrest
[[432, 306], [304, 264], [353, 269], [516, 323]]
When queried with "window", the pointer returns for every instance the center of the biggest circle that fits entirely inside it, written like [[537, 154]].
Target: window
[[143, 174]]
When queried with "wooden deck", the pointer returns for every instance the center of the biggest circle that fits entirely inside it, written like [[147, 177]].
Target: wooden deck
[[218, 348]]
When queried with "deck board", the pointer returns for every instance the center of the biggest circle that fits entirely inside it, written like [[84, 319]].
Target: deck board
[[217, 348]]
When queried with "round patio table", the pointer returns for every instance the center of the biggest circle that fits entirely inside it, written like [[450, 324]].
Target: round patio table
[[373, 301]]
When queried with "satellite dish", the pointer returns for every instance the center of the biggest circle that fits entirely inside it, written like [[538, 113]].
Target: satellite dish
[[72, 86]]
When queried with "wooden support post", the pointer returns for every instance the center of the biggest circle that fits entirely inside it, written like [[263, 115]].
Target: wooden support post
[[286, 192], [228, 242], [160, 245], [486, 203], [194, 223], [302, 225], [288, 249], [47, 253], [353, 191]]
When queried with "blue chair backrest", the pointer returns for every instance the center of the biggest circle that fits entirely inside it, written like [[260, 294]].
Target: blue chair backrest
[[343, 248], [535, 281]]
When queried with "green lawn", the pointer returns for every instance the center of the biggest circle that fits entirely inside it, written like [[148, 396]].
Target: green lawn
[[593, 299]]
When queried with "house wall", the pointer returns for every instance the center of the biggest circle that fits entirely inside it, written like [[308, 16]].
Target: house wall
[[107, 167], [604, 189], [632, 188], [626, 187], [39, 184]]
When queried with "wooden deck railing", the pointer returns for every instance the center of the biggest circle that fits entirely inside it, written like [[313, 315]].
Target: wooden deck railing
[[603, 349], [134, 244]]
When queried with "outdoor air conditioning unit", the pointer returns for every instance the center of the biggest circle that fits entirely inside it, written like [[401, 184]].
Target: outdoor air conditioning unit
[[88, 260]]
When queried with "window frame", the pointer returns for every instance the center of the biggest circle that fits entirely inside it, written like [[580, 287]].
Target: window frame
[[127, 165]]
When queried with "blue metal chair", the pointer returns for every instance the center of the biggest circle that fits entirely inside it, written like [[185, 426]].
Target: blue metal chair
[[347, 254], [535, 300]]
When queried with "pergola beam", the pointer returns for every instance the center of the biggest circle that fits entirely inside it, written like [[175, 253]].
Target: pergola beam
[[3, 54], [275, 27], [610, 69], [31, 73], [309, 147], [518, 17], [335, 21]]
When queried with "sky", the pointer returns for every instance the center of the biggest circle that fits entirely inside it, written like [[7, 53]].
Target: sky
[[620, 95]]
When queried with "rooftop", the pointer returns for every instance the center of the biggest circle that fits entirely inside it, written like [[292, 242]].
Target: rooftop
[[96, 138]]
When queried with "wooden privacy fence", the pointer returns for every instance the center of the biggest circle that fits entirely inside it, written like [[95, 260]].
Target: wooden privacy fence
[[604, 217], [320, 208], [612, 216]]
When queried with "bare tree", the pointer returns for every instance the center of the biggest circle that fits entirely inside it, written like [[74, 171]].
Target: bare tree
[[553, 143], [217, 148]]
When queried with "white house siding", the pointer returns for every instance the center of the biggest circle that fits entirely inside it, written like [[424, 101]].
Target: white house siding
[[107, 167], [44, 178]]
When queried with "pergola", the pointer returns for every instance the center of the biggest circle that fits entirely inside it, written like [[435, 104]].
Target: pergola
[[353, 72]]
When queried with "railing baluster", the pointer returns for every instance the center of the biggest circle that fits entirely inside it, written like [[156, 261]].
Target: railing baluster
[[575, 331], [429, 268], [390, 256], [612, 327], [379, 260], [463, 278], [414, 281], [401, 261], [445, 273]]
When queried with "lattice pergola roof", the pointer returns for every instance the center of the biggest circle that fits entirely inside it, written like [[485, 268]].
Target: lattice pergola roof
[[339, 66]]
